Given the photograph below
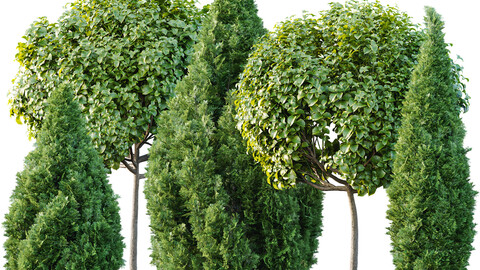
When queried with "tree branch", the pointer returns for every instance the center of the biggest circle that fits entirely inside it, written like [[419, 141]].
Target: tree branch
[[129, 167], [327, 188], [130, 153], [368, 161], [143, 158], [323, 183]]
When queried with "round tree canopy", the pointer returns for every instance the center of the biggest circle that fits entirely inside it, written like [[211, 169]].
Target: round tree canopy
[[123, 59], [320, 96]]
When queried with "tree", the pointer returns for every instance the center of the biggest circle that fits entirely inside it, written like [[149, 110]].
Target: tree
[[123, 59], [431, 197], [282, 226], [64, 214], [319, 99], [208, 203]]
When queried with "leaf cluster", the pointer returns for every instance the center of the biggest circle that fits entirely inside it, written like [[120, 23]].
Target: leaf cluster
[[122, 58], [320, 96]]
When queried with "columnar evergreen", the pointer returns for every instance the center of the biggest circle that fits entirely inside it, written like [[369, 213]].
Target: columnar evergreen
[[209, 204], [282, 226], [64, 214], [431, 198]]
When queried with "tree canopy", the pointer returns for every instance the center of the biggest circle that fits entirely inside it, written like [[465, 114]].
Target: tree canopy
[[63, 213], [209, 203], [320, 96], [431, 197], [122, 58]]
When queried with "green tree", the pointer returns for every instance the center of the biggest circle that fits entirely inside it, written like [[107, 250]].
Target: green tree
[[431, 198], [319, 99], [209, 204], [64, 214], [122, 58], [282, 226]]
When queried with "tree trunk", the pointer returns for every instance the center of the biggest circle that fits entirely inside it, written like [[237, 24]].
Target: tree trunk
[[354, 245], [136, 183]]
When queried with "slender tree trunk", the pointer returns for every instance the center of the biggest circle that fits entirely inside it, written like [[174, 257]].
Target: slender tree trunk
[[134, 233], [354, 245]]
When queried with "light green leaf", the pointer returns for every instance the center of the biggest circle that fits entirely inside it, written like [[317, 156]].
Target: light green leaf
[[373, 46], [296, 140]]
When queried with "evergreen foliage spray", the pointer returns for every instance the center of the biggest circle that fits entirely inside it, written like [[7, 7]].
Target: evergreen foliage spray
[[431, 198], [209, 204], [63, 213]]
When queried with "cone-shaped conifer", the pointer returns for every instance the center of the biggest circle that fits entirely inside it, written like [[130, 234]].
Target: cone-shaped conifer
[[63, 213], [210, 206], [431, 198]]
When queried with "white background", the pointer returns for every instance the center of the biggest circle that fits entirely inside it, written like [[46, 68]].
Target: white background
[[462, 23]]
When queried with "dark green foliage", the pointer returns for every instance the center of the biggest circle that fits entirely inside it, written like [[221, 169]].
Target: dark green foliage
[[210, 205], [64, 214], [282, 226], [185, 197], [431, 198]]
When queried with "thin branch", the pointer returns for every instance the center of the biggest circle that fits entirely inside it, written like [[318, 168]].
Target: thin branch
[[322, 182], [129, 167], [321, 166], [145, 140], [329, 188], [141, 176], [368, 161], [130, 150], [338, 180], [148, 135], [311, 155], [143, 158]]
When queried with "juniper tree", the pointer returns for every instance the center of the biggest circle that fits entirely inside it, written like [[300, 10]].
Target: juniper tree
[[282, 226], [209, 204], [63, 213], [431, 198]]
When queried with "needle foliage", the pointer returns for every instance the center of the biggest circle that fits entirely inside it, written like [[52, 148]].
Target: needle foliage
[[209, 203], [431, 197], [63, 212]]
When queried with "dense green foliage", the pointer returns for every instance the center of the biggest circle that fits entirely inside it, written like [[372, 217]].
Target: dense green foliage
[[431, 198], [282, 226], [321, 96], [122, 58], [209, 204], [64, 214]]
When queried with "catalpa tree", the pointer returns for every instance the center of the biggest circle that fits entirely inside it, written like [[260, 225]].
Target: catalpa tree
[[319, 99], [122, 59]]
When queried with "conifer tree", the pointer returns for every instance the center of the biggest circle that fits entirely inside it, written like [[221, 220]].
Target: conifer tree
[[64, 214], [282, 226], [431, 198], [210, 206]]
